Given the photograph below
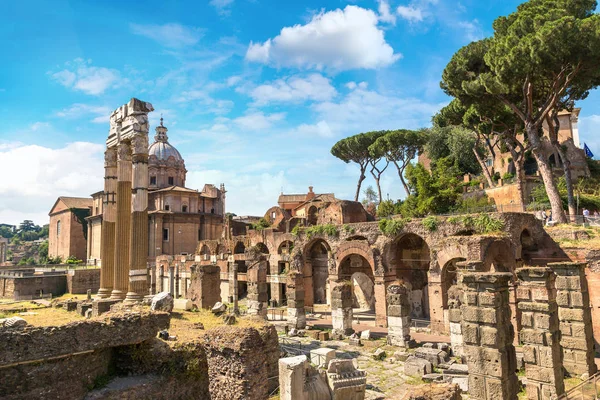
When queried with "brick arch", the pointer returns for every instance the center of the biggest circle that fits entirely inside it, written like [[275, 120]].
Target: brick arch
[[501, 254], [448, 253], [280, 238], [361, 248]]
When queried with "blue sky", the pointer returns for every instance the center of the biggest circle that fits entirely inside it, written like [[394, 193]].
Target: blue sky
[[254, 92]]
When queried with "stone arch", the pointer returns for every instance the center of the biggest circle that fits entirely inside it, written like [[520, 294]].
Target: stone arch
[[262, 248], [361, 248], [239, 248], [409, 258], [499, 256], [285, 247], [205, 250], [449, 277], [316, 271], [527, 246], [357, 269]]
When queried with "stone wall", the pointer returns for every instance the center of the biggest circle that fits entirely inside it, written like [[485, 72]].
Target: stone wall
[[239, 362], [32, 286], [205, 286], [63, 362], [80, 280]]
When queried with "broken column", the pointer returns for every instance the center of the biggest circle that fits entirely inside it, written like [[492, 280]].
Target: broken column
[[107, 241], [123, 222], [138, 272], [292, 374], [488, 335], [296, 316], [341, 309], [398, 315], [205, 286], [258, 289], [539, 333], [575, 318]]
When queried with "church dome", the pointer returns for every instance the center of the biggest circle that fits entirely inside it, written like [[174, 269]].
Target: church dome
[[166, 167], [161, 148]]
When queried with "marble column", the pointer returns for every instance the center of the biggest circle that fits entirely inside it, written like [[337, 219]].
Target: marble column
[[123, 222], [107, 240], [138, 273]]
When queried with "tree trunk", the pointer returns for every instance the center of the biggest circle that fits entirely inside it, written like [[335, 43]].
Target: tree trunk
[[558, 214], [401, 175], [484, 168], [568, 180], [377, 177], [520, 175], [360, 180]]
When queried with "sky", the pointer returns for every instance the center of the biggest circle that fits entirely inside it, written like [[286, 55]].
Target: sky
[[254, 92]]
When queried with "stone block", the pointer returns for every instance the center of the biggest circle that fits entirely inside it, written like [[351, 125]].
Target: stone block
[[415, 366], [102, 306], [322, 356], [434, 356], [570, 314], [83, 307], [324, 336], [182, 304], [314, 334], [70, 305], [292, 374]]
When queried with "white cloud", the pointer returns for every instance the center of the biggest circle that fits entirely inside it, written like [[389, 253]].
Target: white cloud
[[364, 110], [472, 30], [40, 174], [80, 75], [337, 40], [39, 125], [223, 7], [169, 35], [204, 102], [321, 129], [99, 114], [385, 13], [410, 13], [258, 120], [314, 87]]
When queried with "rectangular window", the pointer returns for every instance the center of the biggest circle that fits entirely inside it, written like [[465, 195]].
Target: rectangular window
[[171, 180], [166, 234], [153, 180], [199, 234]]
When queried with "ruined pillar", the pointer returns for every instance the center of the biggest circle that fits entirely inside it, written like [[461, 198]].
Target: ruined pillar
[[296, 316], [488, 335], [575, 318], [107, 240], [341, 309], [257, 289], [172, 280], [205, 286], [455, 318], [539, 334], [398, 315], [138, 273], [379, 291], [122, 222]]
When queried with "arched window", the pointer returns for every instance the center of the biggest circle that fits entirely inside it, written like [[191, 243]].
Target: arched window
[[184, 208], [167, 207], [57, 228]]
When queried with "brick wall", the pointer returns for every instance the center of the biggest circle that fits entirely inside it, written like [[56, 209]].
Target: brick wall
[[80, 280], [29, 287]]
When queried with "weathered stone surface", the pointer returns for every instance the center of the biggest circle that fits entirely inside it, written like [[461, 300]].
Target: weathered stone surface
[[219, 308], [182, 304], [162, 302], [346, 382], [434, 356], [444, 391], [365, 335], [322, 356], [379, 354], [292, 374], [13, 323], [415, 366], [205, 286]]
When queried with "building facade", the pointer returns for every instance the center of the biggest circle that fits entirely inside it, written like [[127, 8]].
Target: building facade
[[178, 217], [68, 227]]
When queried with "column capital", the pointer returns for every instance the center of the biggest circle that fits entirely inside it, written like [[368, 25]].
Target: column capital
[[110, 157]]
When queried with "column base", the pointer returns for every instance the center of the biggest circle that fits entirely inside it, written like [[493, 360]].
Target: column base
[[104, 293], [132, 298], [118, 295]]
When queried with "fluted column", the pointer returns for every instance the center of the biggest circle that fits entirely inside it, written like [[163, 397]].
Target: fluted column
[[138, 273], [107, 241], [123, 221]]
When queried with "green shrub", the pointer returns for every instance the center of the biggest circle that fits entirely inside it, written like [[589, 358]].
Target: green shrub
[[431, 223], [348, 229], [261, 224], [392, 227], [507, 176], [328, 229], [454, 220], [73, 260], [485, 223], [296, 230]]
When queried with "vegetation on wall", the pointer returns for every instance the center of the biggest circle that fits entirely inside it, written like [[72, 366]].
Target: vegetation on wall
[[392, 227]]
